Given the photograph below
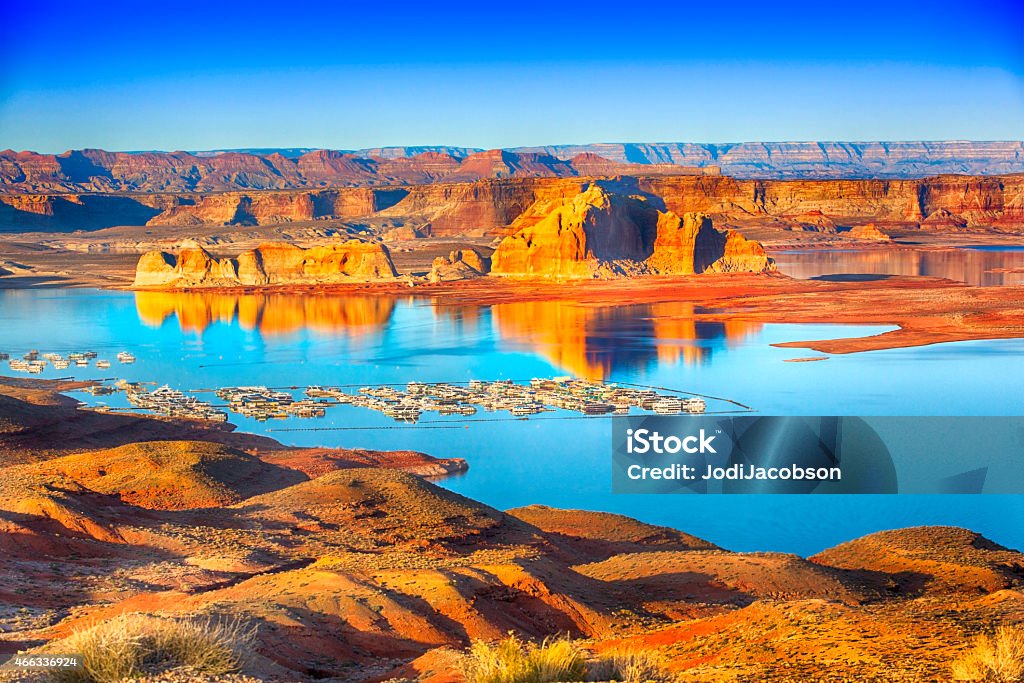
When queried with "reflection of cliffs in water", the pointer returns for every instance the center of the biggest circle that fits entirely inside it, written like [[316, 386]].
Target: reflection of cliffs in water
[[269, 314], [593, 341], [980, 267]]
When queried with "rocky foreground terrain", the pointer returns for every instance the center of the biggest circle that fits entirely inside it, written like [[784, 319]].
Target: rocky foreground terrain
[[354, 568]]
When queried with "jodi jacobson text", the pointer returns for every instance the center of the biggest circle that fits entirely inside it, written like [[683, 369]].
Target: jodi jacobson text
[[735, 472]]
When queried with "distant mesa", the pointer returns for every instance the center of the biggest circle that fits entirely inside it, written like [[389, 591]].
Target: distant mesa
[[815, 221], [272, 263], [869, 231], [944, 219], [401, 234], [95, 170], [600, 233]]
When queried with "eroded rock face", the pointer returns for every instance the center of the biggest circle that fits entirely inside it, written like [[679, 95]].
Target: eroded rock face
[[740, 255], [460, 264], [576, 236], [273, 263], [599, 233]]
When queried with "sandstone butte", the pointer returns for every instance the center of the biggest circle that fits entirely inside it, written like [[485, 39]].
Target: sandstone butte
[[598, 233], [273, 263]]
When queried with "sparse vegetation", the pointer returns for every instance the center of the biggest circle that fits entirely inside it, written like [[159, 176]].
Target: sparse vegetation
[[630, 665], [512, 660], [995, 658], [133, 645]]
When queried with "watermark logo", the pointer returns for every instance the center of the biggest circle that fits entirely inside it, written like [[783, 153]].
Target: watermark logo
[[759, 454]]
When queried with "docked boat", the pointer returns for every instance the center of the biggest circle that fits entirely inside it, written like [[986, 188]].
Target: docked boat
[[668, 406]]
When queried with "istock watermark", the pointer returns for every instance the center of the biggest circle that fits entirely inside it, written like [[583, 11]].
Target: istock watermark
[[765, 454]]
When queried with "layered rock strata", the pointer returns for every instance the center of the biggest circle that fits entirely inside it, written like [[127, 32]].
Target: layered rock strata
[[273, 263]]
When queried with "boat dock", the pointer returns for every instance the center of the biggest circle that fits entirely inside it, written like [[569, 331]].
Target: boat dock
[[520, 400], [34, 362], [171, 403]]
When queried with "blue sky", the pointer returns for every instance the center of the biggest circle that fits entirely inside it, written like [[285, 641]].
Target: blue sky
[[158, 75]]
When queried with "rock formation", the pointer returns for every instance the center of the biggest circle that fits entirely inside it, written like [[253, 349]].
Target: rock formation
[[868, 231], [273, 263], [599, 233], [460, 264]]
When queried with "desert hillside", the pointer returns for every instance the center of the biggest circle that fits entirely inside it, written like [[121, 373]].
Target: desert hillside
[[352, 569]]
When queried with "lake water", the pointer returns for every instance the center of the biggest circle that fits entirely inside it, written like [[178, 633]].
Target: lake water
[[195, 341], [986, 266]]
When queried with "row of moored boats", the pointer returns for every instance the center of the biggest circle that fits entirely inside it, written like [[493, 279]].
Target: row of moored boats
[[35, 362], [540, 395]]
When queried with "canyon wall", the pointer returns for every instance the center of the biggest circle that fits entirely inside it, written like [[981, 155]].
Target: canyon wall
[[67, 212], [490, 206], [274, 263]]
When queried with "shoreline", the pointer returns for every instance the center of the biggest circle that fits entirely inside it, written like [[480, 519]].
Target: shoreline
[[925, 310]]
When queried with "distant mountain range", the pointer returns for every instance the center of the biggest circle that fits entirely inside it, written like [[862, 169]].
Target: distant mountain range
[[261, 169], [765, 159]]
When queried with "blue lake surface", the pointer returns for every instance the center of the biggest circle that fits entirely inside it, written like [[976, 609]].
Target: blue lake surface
[[193, 341]]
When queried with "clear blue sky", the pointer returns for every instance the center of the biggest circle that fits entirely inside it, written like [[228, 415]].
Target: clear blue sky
[[156, 75]]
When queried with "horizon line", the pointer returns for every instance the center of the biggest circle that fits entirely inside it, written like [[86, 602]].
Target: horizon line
[[271, 148]]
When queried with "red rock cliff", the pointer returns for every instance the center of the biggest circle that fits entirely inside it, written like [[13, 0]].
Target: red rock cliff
[[274, 263], [601, 233]]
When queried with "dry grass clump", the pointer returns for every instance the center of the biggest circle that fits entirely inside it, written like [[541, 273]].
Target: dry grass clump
[[134, 645], [559, 659], [995, 658], [630, 666], [513, 661]]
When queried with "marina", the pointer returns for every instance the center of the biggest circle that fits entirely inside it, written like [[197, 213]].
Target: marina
[[520, 400], [171, 403], [408, 403]]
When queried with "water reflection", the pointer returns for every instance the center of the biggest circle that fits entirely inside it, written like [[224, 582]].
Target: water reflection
[[582, 340], [595, 341], [978, 266], [269, 314]]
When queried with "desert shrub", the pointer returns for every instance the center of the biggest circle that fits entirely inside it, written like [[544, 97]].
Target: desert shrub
[[995, 658], [630, 666], [513, 661], [133, 645]]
